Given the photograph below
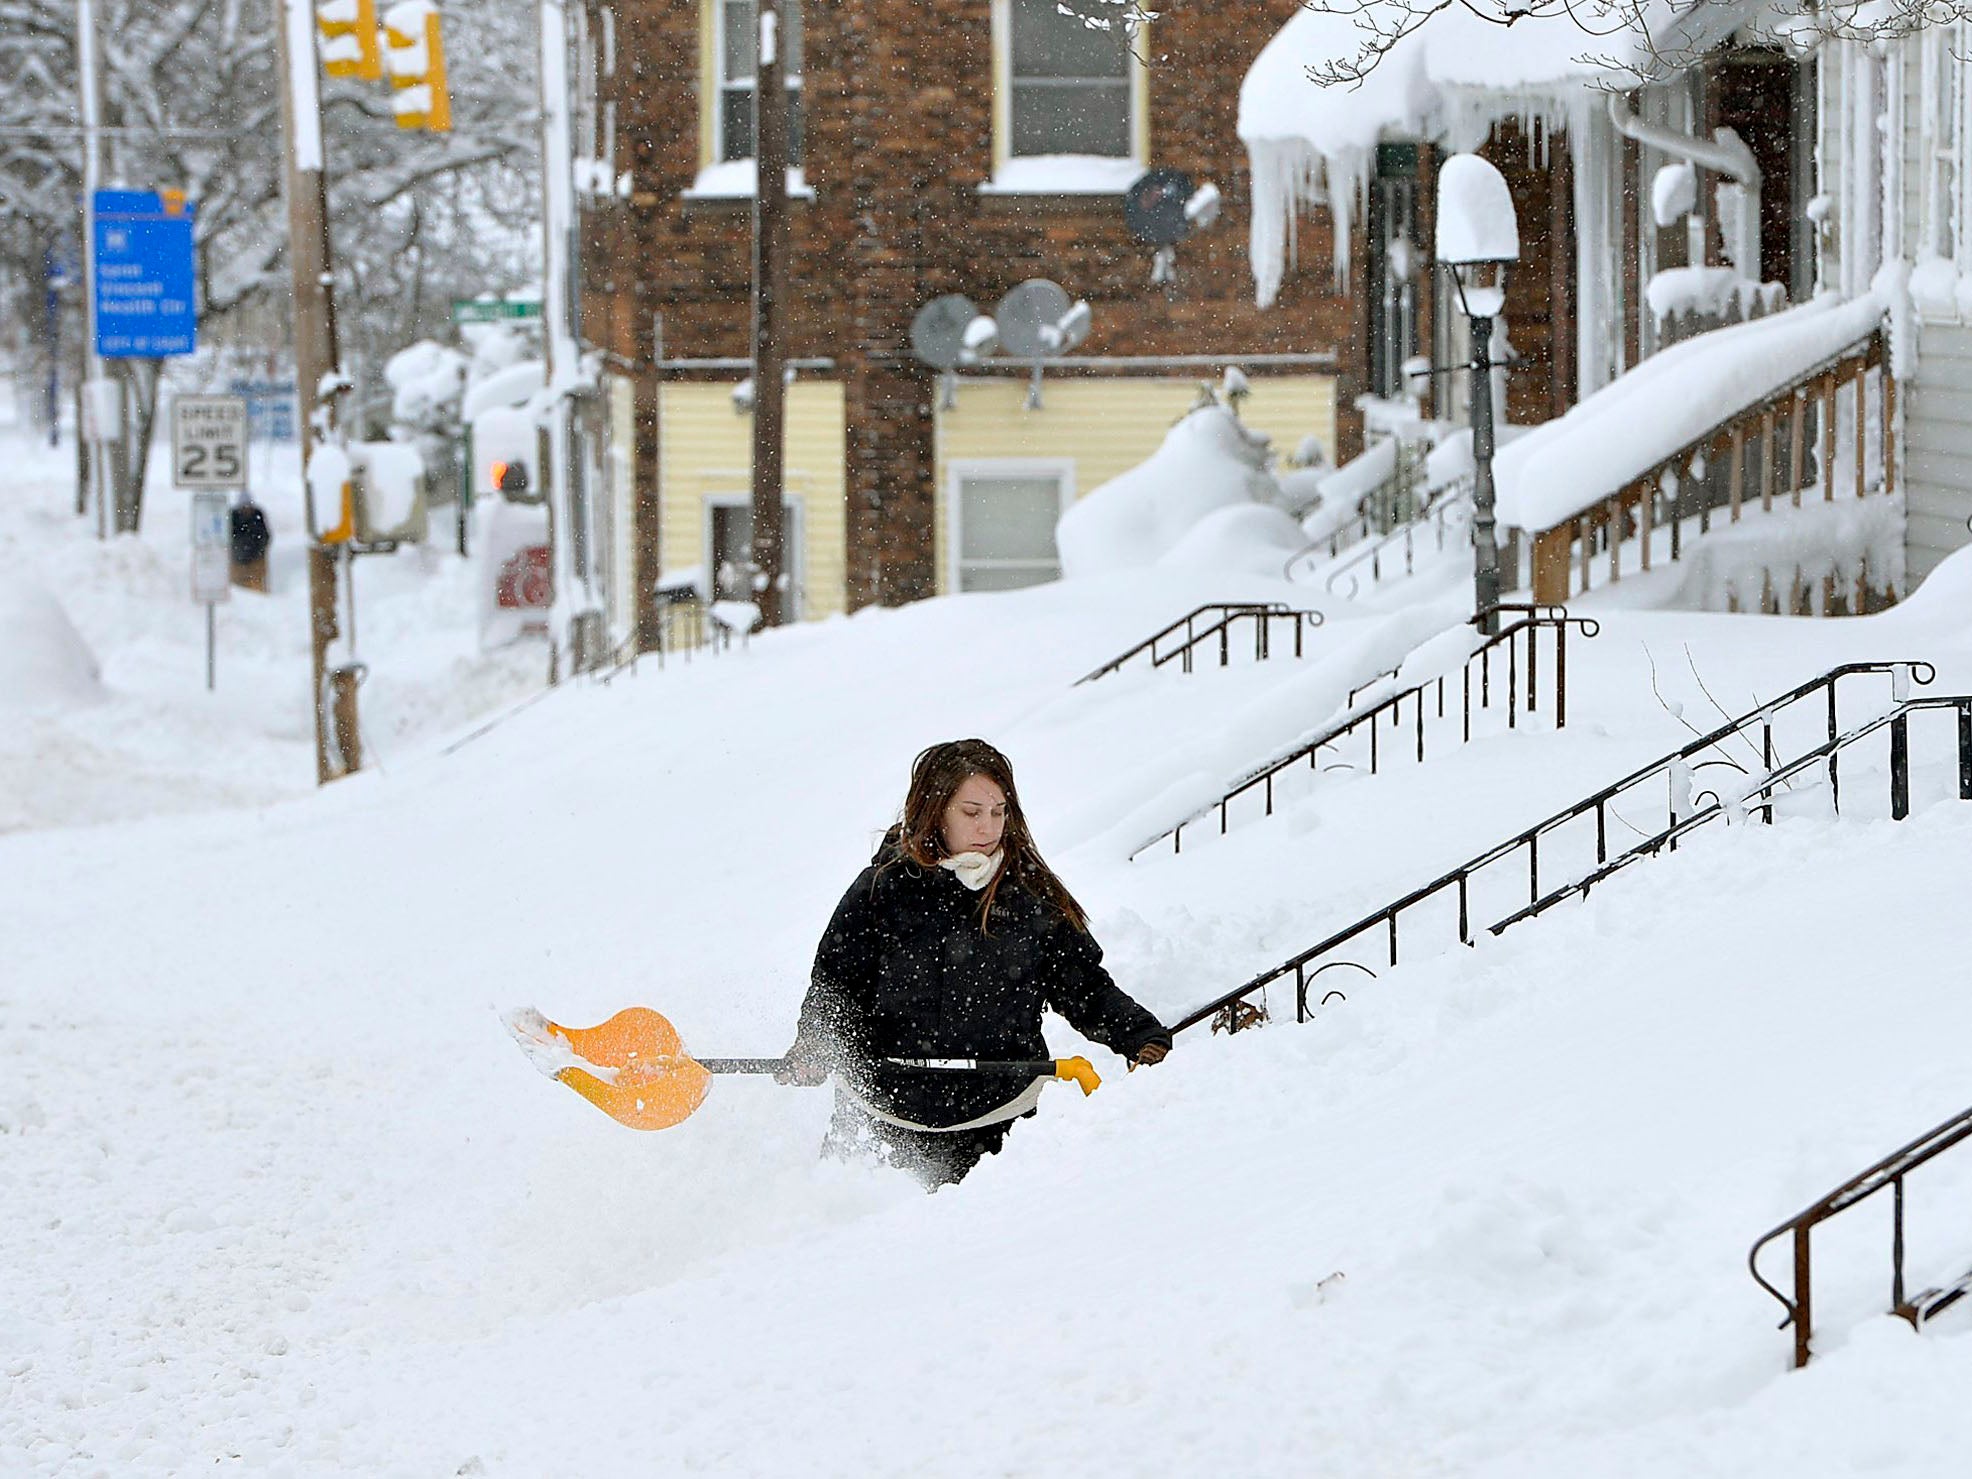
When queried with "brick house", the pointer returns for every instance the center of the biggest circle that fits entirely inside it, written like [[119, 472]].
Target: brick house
[[963, 146], [931, 142]]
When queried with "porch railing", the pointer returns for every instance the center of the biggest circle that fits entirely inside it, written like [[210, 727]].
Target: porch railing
[[1763, 453], [1888, 1172], [1208, 630], [1520, 856], [1514, 648]]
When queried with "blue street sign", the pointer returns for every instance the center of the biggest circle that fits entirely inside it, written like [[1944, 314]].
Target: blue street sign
[[144, 298], [270, 408]]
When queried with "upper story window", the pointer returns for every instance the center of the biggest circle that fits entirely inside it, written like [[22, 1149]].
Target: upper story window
[[1070, 86], [738, 38]]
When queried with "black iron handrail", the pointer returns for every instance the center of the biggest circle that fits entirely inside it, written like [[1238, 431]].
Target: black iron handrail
[[1890, 1172], [1533, 620], [1388, 918], [1435, 516], [1263, 615]]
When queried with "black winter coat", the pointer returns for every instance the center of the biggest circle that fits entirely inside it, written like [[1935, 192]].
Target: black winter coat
[[903, 970]]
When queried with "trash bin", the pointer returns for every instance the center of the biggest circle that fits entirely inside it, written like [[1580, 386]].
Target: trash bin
[[250, 537]]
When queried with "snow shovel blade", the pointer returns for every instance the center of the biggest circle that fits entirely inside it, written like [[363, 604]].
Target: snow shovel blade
[[633, 1067]]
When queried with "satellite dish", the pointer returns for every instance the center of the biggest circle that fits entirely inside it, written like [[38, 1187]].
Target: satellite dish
[[1154, 207], [938, 332], [1026, 313]]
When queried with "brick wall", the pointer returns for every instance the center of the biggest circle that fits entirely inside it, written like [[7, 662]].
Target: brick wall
[[898, 100]]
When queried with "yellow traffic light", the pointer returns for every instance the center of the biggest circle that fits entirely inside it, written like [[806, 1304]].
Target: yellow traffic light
[[349, 39], [417, 65]]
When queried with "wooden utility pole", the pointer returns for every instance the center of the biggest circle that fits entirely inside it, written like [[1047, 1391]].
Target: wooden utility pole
[[770, 249], [338, 749]]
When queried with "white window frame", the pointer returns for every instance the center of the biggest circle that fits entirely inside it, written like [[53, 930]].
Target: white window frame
[[794, 546], [1941, 135], [1061, 469], [716, 102], [1107, 174]]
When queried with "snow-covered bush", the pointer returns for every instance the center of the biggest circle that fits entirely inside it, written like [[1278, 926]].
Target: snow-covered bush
[[1209, 464]]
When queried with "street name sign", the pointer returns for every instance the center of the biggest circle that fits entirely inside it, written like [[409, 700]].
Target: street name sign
[[489, 311], [209, 441], [144, 297]]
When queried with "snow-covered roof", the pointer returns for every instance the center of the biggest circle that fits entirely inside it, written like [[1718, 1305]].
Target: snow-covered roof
[[1447, 80]]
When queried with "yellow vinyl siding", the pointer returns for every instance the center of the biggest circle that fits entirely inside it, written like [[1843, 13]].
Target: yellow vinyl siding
[[1105, 427], [705, 449]]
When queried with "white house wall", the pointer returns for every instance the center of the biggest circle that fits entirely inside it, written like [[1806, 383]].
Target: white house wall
[[1938, 447], [1930, 191]]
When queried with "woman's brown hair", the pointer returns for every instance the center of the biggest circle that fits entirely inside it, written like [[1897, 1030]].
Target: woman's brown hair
[[936, 776]]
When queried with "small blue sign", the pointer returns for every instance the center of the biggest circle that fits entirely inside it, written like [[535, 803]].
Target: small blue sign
[[270, 408], [144, 298]]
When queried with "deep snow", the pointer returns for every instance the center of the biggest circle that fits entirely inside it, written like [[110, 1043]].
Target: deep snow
[[283, 1196]]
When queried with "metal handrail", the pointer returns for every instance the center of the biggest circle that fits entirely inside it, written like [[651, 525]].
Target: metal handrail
[[1457, 497], [1890, 1172], [1388, 918], [1263, 614], [1534, 619]]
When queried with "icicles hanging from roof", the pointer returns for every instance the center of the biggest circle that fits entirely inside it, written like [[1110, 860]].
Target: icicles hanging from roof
[[1287, 174]]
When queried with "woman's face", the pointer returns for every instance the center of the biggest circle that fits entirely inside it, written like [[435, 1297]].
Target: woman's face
[[975, 818]]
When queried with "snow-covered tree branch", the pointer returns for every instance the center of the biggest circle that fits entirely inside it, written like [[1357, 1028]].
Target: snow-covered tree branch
[[1655, 30]]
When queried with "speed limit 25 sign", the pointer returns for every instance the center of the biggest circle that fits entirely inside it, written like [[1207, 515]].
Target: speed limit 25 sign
[[209, 441]]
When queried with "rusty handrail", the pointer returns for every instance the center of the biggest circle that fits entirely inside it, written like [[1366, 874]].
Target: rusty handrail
[[1387, 919], [1534, 619], [1890, 1172], [1263, 614]]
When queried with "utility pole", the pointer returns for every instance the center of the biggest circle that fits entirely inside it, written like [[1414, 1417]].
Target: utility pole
[[770, 250], [574, 623], [338, 745]]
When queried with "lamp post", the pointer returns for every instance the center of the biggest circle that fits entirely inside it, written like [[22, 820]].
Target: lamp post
[[1477, 236]]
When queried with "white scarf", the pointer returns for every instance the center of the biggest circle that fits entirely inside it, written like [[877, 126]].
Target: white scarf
[[975, 869]]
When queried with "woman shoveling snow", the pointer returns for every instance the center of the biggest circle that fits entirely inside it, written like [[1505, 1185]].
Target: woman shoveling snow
[[945, 950], [926, 997]]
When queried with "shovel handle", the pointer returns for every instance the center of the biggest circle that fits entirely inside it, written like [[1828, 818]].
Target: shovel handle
[[1073, 1070]]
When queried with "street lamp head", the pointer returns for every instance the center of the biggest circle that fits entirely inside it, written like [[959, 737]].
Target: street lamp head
[[1478, 233]]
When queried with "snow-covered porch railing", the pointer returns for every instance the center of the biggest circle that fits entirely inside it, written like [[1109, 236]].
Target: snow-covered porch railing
[[1776, 407], [1393, 493]]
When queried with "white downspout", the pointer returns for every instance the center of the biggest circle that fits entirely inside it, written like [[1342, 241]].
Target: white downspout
[[1724, 153]]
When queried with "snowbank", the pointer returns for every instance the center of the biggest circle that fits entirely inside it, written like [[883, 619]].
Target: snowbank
[[1208, 462], [44, 663]]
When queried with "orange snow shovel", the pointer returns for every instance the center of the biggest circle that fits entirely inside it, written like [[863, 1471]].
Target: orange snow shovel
[[635, 1069]]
